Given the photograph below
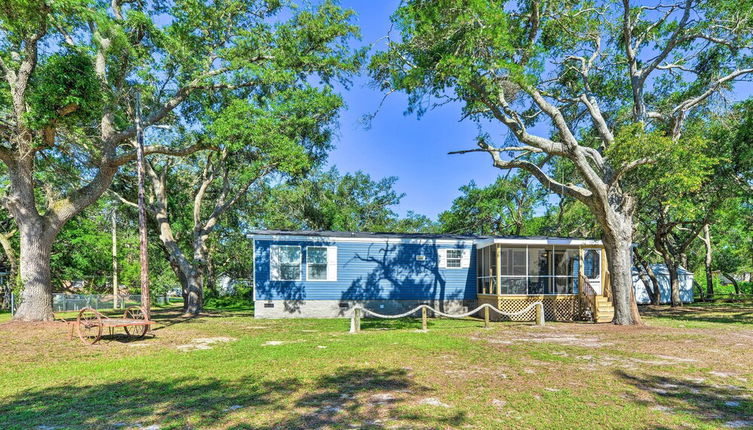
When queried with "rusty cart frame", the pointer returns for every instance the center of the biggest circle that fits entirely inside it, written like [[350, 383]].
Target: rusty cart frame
[[90, 324]]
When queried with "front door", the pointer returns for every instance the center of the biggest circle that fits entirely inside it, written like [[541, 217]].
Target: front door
[[592, 268]]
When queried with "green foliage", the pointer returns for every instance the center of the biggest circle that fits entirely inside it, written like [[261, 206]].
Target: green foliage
[[330, 201], [233, 302], [288, 131], [676, 168], [242, 298], [506, 207], [83, 254], [65, 89], [519, 62], [731, 235]]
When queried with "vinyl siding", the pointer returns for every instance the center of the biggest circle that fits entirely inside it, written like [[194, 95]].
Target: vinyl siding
[[370, 270]]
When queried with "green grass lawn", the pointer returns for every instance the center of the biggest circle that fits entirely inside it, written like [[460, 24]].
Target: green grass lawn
[[227, 370]]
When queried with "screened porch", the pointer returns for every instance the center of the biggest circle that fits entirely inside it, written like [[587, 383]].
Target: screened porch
[[512, 273], [534, 269]]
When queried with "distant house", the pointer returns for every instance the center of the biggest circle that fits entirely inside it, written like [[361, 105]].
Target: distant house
[[324, 274], [665, 288]]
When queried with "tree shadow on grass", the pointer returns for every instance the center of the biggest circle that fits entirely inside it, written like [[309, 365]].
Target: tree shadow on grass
[[363, 398], [432, 324], [133, 402], [391, 324], [717, 314], [718, 405], [337, 399], [169, 317]]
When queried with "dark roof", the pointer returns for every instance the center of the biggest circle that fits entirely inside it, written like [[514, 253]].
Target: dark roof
[[367, 235]]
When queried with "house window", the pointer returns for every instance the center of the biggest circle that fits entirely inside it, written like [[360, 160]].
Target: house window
[[454, 258], [285, 262], [591, 264], [316, 262], [321, 263]]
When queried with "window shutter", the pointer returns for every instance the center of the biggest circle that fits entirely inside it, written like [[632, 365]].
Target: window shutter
[[274, 263], [332, 263], [442, 258], [465, 259]]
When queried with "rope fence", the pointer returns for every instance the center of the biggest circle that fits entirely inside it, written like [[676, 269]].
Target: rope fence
[[359, 311]]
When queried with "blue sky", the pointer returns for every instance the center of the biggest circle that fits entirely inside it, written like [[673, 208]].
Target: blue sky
[[401, 145]]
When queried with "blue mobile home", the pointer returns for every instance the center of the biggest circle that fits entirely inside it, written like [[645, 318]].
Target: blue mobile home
[[324, 274]]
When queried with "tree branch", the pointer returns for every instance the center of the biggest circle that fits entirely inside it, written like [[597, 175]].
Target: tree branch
[[181, 95], [568, 190], [123, 199], [713, 87], [671, 43], [630, 166], [153, 149]]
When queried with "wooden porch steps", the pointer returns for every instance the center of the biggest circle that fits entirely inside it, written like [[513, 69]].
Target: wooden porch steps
[[604, 310]]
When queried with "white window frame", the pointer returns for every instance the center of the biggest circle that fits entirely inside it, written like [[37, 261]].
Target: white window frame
[[459, 258], [331, 252], [277, 277], [464, 258], [326, 264]]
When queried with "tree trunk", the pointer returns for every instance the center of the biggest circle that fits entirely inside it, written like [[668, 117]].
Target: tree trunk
[[734, 282], [618, 244], [193, 299], [36, 246], [707, 261], [656, 298], [674, 282], [655, 293], [190, 275]]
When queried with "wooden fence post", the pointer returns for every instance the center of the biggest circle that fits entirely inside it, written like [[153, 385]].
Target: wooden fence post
[[424, 323], [539, 314], [355, 321], [486, 317]]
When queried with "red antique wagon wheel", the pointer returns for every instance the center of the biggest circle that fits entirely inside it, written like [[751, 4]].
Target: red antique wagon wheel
[[135, 313], [89, 326]]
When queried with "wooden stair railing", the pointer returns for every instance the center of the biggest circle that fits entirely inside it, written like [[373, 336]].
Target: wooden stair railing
[[607, 286], [599, 305], [588, 297]]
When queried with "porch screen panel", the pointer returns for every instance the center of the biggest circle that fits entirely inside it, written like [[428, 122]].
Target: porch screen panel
[[513, 271], [538, 270], [479, 271], [483, 264], [565, 271], [491, 267]]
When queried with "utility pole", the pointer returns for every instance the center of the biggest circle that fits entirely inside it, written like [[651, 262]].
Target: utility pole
[[114, 260], [143, 255]]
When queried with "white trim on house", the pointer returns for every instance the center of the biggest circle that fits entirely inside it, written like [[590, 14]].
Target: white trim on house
[[253, 265], [534, 242], [465, 258], [480, 243], [327, 239], [331, 263]]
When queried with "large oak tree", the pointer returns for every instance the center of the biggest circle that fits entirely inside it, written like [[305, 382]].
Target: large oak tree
[[578, 81], [70, 68]]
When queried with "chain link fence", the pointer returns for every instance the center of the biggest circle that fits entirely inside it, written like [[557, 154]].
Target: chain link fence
[[74, 302]]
